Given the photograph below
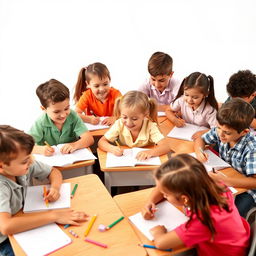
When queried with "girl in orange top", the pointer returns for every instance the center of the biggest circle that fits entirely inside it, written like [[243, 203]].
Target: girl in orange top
[[93, 95]]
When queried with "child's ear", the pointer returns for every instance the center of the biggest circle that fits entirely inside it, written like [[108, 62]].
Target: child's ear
[[245, 131], [43, 108], [184, 199], [87, 85], [171, 74]]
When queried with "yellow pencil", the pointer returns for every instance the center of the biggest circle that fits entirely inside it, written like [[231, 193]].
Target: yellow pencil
[[117, 144], [90, 225], [47, 144]]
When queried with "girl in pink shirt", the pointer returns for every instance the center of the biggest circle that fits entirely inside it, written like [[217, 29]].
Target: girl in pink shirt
[[214, 226], [195, 103]]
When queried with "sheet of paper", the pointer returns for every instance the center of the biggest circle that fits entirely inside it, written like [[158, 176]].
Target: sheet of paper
[[167, 215], [59, 159], [43, 240], [100, 126], [185, 132], [151, 161], [34, 199], [161, 113]]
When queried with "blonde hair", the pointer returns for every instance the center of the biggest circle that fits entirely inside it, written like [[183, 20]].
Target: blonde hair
[[138, 100]]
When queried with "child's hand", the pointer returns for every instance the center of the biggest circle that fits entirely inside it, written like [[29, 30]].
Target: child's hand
[[220, 177], [148, 211], [179, 122], [108, 121], [48, 151], [52, 195], [68, 148], [144, 155], [202, 156], [158, 230], [198, 134], [70, 217], [117, 151], [94, 120]]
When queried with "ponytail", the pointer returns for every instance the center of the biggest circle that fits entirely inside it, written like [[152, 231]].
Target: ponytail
[[152, 109], [117, 108], [80, 86], [211, 97], [181, 90]]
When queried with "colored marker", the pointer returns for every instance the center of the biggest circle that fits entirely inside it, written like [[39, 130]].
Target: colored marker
[[114, 223], [73, 233], [153, 247], [74, 190], [90, 225], [45, 194], [67, 225], [95, 242]]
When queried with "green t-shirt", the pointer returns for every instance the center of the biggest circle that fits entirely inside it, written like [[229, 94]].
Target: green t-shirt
[[45, 130]]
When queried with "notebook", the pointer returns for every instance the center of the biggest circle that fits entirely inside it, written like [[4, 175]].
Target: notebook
[[34, 199], [100, 126], [43, 240], [167, 215], [185, 132], [129, 159], [59, 159]]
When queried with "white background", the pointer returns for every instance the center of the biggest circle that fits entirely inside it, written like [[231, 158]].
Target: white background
[[40, 40]]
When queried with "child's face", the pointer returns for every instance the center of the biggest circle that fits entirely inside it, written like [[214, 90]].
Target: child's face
[[17, 167], [160, 82], [229, 135], [132, 118], [100, 87], [58, 112], [193, 97]]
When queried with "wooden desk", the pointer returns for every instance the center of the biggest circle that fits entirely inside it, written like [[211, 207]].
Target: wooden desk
[[92, 197], [131, 203], [127, 176]]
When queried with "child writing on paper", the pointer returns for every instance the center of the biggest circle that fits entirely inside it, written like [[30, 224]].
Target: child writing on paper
[[161, 85], [236, 146], [58, 124], [195, 103], [243, 85], [17, 169], [93, 95], [214, 226], [136, 126]]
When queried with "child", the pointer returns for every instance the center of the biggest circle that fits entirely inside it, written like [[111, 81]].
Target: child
[[195, 103], [243, 85], [16, 172], [214, 226], [58, 124], [136, 126], [94, 96], [161, 85], [237, 146]]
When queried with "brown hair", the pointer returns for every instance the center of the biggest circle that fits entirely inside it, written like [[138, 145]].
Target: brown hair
[[137, 99], [204, 83], [52, 91], [236, 114], [84, 78], [185, 175], [12, 141], [160, 63]]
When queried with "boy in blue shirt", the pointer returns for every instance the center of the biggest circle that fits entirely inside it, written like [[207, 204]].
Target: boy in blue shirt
[[237, 146], [59, 124]]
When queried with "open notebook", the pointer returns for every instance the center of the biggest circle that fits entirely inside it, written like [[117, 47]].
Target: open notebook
[[43, 240], [167, 215], [34, 199], [59, 159], [185, 132], [100, 126], [129, 159]]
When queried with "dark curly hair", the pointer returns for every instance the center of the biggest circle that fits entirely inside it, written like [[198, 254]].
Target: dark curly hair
[[242, 84]]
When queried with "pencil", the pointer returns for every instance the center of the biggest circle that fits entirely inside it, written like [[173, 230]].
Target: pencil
[[73, 191], [90, 225], [114, 223], [153, 247], [117, 144], [47, 144], [93, 113], [45, 194], [95, 242]]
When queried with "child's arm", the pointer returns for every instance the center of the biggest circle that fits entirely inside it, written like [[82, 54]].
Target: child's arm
[[109, 120], [86, 140], [105, 145], [199, 146], [43, 150], [174, 118], [162, 107], [199, 134], [87, 119]]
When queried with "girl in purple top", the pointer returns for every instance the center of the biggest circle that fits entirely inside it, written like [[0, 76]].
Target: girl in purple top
[[214, 226], [195, 103]]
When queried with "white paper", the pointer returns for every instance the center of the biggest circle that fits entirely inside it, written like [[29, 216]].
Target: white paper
[[43, 240], [34, 199], [100, 126], [129, 159], [167, 215], [185, 132], [59, 159], [161, 113]]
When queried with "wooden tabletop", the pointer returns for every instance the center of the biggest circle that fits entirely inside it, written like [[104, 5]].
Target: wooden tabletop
[[76, 165], [132, 203], [92, 197]]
